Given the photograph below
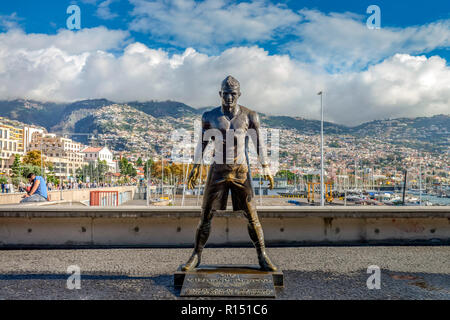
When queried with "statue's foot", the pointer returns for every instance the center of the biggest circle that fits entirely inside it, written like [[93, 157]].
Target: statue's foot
[[192, 263], [265, 263]]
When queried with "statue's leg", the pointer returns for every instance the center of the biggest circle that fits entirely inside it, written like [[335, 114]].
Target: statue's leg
[[213, 199], [243, 200]]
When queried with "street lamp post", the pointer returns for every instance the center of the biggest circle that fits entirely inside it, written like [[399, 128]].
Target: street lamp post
[[322, 200], [420, 180], [185, 180], [162, 175], [148, 184], [42, 172]]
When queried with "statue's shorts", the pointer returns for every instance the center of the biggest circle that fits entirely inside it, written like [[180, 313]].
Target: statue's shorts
[[223, 178]]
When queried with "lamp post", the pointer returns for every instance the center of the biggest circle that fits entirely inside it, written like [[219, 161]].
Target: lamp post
[[162, 175], [185, 179], [322, 200], [42, 170], [148, 184]]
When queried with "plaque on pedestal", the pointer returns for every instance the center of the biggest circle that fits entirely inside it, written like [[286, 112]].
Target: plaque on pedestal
[[228, 281]]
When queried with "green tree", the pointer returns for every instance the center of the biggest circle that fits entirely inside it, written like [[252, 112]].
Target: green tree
[[16, 167], [17, 180], [95, 172], [27, 169], [139, 162], [132, 171], [3, 180], [126, 168], [52, 179], [102, 169], [148, 166], [79, 174], [123, 166], [285, 173], [50, 168]]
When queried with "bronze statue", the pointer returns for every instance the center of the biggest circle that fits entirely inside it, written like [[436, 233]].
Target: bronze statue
[[228, 172]]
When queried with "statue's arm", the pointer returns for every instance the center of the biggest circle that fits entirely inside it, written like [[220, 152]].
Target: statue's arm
[[255, 133], [199, 152], [202, 144], [261, 148]]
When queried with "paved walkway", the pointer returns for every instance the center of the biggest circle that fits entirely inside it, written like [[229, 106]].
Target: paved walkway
[[310, 272]]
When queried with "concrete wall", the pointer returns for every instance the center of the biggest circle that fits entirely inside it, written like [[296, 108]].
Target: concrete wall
[[67, 195], [138, 226]]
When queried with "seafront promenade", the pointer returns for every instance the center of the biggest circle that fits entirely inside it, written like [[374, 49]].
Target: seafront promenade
[[407, 272], [131, 251]]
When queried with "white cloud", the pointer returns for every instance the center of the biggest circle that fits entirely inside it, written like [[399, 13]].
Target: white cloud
[[401, 86], [335, 41], [72, 42], [104, 11], [50, 69], [342, 41], [211, 23], [8, 22]]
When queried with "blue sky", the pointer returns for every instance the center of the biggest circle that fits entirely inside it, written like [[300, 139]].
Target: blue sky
[[48, 16], [178, 49]]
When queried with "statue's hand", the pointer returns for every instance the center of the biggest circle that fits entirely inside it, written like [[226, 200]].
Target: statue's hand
[[268, 175], [192, 178], [270, 178]]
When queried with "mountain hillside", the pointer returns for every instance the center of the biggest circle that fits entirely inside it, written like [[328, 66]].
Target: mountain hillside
[[146, 125]]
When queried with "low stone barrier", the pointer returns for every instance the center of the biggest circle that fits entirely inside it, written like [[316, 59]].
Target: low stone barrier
[[175, 226], [74, 195]]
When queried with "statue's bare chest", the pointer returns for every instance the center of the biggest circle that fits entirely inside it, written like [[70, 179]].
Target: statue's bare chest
[[223, 123]]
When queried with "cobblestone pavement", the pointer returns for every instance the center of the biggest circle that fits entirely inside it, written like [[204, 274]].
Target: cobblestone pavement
[[420, 272]]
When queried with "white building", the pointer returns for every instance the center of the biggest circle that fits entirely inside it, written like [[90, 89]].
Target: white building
[[28, 136], [94, 154], [63, 153], [9, 147]]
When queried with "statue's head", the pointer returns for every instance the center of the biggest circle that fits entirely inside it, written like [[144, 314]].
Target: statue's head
[[230, 92]]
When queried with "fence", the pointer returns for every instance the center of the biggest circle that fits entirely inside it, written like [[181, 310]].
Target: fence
[[104, 198], [109, 198], [125, 197]]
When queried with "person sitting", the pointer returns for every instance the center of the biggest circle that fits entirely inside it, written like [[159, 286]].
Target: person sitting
[[38, 192]]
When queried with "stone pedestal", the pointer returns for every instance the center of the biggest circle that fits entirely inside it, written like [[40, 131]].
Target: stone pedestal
[[228, 281]]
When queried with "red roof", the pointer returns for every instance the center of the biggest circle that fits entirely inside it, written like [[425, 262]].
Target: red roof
[[92, 149], [115, 174]]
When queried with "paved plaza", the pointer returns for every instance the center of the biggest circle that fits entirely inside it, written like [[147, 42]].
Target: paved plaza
[[420, 272]]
